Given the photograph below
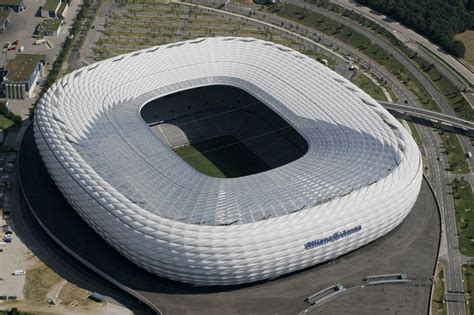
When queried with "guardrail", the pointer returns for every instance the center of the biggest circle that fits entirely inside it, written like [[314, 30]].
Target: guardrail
[[319, 298], [434, 119], [324, 293]]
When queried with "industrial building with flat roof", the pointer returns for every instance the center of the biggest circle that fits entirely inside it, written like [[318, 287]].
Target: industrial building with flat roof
[[333, 169], [20, 75], [54, 8], [4, 19], [15, 5]]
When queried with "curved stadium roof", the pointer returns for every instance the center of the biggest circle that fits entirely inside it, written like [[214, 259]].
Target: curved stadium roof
[[103, 155]]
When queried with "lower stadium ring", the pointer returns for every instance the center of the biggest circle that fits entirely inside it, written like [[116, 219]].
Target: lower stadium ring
[[334, 169]]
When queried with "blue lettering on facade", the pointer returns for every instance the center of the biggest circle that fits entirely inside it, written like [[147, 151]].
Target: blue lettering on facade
[[336, 236]]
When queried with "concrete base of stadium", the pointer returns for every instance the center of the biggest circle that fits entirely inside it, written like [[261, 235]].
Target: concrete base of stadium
[[411, 249]]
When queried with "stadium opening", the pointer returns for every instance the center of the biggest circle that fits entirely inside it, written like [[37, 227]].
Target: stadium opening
[[223, 131]]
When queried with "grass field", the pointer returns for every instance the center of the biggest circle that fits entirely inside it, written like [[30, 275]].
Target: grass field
[[414, 133], [467, 38], [38, 283], [456, 157], [438, 307], [5, 123], [369, 87], [222, 157], [147, 23], [468, 276], [464, 209]]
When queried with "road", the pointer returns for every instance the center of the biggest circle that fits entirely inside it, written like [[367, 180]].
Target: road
[[410, 38], [438, 175], [432, 116], [401, 58]]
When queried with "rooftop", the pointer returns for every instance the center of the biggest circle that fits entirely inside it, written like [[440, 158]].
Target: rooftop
[[51, 5], [62, 7], [21, 68], [11, 2], [3, 16], [49, 25]]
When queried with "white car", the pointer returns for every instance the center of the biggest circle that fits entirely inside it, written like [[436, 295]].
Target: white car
[[19, 272]]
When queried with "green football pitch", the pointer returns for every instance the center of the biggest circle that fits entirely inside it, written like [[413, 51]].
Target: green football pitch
[[222, 157]]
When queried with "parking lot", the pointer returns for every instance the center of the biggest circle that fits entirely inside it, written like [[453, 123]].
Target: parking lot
[[21, 27], [14, 255]]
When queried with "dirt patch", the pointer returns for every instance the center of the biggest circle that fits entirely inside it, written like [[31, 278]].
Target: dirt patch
[[39, 281]]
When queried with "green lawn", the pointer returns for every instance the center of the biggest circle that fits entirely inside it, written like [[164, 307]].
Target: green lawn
[[414, 133], [467, 38], [369, 87], [464, 209], [468, 275], [5, 123], [438, 307], [222, 157], [199, 162], [456, 156]]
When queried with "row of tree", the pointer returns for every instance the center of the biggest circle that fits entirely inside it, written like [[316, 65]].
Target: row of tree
[[439, 20]]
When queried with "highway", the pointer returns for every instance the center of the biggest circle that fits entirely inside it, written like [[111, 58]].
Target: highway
[[411, 39], [401, 58], [431, 142]]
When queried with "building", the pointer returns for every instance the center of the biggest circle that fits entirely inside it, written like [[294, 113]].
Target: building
[[54, 9], [49, 27], [20, 75], [15, 5], [338, 171], [4, 19]]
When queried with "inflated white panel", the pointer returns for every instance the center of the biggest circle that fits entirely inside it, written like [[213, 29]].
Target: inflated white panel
[[359, 179]]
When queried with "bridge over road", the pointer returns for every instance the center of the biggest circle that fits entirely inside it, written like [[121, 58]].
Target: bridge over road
[[431, 118]]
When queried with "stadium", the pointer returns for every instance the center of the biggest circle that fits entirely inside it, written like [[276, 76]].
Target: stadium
[[222, 161]]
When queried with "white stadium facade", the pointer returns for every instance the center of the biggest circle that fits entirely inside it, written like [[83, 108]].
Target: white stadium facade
[[341, 171]]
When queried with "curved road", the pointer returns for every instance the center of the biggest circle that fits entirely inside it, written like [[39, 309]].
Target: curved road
[[438, 175], [409, 37], [400, 57]]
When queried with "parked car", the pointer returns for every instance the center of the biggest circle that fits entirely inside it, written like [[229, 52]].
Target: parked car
[[96, 296], [19, 272]]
